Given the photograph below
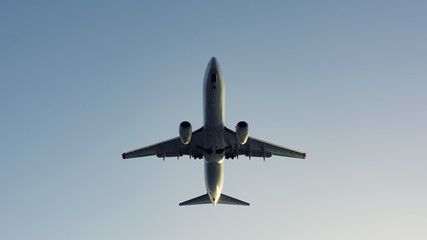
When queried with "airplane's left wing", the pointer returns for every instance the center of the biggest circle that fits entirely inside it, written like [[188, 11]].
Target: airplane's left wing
[[171, 148], [256, 148]]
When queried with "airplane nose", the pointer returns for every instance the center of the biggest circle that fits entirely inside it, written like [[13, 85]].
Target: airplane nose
[[213, 63]]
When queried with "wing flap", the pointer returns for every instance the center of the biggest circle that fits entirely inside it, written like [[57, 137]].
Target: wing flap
[[265, 148], [256, 148], [170, 148]]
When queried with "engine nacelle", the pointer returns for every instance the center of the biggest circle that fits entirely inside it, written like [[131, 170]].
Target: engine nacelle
[[242, 132], [185, 132]]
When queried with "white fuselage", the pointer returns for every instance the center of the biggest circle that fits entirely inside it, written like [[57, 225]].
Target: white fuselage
[[213, 110]]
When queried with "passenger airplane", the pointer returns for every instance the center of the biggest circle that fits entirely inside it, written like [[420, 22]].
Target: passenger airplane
[[214, 142]]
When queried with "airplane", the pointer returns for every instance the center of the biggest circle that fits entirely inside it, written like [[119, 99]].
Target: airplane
[[214, 142]]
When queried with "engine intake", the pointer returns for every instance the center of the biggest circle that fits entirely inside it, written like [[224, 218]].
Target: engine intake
[[185, 132], [242, 132]]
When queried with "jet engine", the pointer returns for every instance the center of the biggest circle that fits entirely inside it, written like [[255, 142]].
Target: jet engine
[[242, 132], [185, 132]]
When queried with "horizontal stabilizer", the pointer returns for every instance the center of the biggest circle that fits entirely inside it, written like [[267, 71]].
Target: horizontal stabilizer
[[224, 199], [204, 199]]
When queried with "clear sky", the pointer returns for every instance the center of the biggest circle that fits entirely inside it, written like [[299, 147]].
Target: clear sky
[[84, 81]]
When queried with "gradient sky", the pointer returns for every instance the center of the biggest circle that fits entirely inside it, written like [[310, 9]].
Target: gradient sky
[[84, 81]]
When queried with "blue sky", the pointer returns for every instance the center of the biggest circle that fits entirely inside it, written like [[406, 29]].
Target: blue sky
[[82, 82]]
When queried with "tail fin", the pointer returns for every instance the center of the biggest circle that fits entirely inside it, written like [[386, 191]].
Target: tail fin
[[204, 199], [224, 199]]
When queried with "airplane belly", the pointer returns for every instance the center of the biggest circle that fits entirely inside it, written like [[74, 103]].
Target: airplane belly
[[214, 179], [213, 96], [213, 109], [214, 145]]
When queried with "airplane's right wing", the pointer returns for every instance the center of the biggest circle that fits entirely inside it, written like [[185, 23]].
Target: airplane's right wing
[[256, 148], [171, 148]]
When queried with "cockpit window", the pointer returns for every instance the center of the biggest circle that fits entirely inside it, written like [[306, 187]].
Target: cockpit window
[[213, 78], [213, 81]]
